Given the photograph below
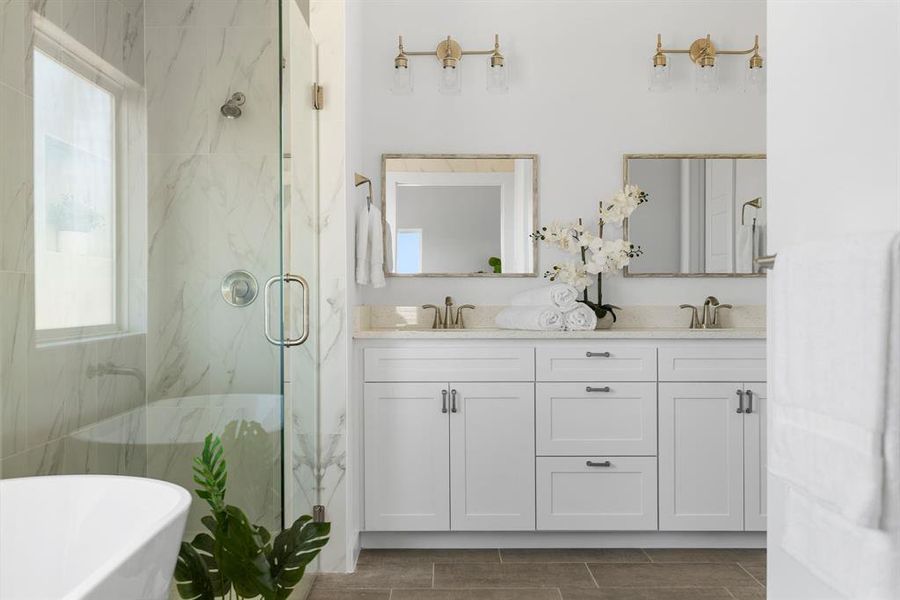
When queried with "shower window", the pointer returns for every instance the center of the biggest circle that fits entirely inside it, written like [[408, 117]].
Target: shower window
[[76, 108]]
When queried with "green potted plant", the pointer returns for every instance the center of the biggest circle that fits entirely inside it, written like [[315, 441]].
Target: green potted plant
[[238, 559]]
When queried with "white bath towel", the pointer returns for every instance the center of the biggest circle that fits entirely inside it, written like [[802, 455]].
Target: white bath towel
[[580, 318], [560, 295], [369, 247], [834, 385], [533, 318]]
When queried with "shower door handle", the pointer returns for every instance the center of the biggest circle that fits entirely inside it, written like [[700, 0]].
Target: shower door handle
[[304, 332]]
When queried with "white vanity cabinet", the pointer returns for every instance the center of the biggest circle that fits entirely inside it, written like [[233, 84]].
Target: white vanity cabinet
[[712, 438], [443, 455], [556, 436]]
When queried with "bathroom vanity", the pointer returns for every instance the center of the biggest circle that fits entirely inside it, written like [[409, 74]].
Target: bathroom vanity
[[626, 430]]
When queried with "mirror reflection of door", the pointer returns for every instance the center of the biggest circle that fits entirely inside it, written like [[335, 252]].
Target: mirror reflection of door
[[706, 215]]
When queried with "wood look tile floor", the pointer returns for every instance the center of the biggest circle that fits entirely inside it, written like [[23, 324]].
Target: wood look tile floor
[[557, 574]]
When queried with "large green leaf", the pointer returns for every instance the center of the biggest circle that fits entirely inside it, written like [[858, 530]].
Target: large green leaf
[[292, 550], [205, 546], [210, 473], [192, 578], [239, 551]]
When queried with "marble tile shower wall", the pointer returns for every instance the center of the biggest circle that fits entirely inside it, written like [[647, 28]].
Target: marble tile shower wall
[[53, 402]]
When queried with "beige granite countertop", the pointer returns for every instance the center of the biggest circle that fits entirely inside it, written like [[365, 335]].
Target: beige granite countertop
[[745, 322], [485, 333]]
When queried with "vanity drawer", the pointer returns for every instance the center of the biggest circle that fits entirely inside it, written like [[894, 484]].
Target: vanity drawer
[[618, 494], [600, 361], [470, 363], [713, 361], [611, 418]]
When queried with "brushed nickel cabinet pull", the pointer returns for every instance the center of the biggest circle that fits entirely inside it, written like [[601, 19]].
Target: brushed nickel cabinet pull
[[597, 354], [749, 402], [740, 394], [597, 389], [605, 463], [453, 401], [444, 401]]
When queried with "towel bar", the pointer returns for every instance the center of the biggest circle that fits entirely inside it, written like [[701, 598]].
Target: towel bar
[[765, 262]]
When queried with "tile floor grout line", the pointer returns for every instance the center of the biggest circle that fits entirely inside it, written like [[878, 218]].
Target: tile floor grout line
[[559, 591], [591, 573], [741, 567], [647, 554], [725, 587], [433, 569]]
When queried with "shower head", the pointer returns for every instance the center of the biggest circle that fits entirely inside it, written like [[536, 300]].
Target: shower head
[[232, 107], [755, 203]]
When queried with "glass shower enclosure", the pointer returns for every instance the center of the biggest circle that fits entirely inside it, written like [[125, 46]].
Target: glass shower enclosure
[[158, 245]]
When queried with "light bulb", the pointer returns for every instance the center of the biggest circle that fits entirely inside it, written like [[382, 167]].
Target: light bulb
[[660, 80], [706, 79], [401, 83], [450, 84], [497, 77], [755, 79]]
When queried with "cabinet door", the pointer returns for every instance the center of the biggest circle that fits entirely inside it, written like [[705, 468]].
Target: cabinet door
[[492, 456], [755, 457], [407, 457], [701, 459]]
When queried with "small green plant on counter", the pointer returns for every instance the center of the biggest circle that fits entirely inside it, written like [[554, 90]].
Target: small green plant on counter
[[495, 264], [237, 559]]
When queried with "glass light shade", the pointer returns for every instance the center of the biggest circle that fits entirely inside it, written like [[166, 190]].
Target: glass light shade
[[755, 80], [450, 81], [706, 79], [497, 78], [660, 80], [401, 83]]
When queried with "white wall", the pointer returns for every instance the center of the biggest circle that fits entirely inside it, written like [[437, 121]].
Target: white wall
[[833, 161], [578, 98]]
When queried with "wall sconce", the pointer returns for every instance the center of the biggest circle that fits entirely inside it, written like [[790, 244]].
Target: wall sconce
[[706, 77], [449, 54]]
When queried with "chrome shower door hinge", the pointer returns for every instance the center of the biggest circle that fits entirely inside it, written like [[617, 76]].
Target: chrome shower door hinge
[[318, 513], [318, 96]]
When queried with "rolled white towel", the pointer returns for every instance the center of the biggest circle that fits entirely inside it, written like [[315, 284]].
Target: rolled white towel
[[561, 295], [580, 318], [533, 318]]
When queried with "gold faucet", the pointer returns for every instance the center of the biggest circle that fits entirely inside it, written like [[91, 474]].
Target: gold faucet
[[448, 320], [710, 316]]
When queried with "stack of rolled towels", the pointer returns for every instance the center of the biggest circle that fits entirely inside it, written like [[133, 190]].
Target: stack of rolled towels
[[552, 307]]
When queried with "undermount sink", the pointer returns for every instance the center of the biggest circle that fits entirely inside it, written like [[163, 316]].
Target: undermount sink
[[79, 537]]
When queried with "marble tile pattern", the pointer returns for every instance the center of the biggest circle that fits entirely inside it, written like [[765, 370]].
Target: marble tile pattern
[[550, 574], [52, 395]]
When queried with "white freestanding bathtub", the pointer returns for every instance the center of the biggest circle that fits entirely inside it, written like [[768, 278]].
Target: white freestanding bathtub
[[94, 537]]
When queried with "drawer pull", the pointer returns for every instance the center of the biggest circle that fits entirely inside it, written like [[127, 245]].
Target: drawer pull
[[453, 401], [740, 408], [597, 389], [444, 401], [597, 354], [749, 408], [605, 463]]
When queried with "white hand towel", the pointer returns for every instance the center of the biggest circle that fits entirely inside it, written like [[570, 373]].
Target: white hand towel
[[369, 247], [561, 295], [580, 318], [834, 393], [834, 324], [534, 318]]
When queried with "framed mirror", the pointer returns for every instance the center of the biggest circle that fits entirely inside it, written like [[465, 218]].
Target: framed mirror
[[459, 215], [706, 216]]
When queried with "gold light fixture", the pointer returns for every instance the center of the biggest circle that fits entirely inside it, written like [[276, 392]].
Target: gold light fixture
[[449, 54], [703, 53]]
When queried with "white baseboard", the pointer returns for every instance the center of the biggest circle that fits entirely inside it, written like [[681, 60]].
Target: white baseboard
[[563, 539]]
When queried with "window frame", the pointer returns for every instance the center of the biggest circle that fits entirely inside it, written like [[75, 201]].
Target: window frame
[[417, 230], [54, 43]]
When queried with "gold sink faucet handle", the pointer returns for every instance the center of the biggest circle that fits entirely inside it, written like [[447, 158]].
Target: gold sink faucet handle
[[437, 323]]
